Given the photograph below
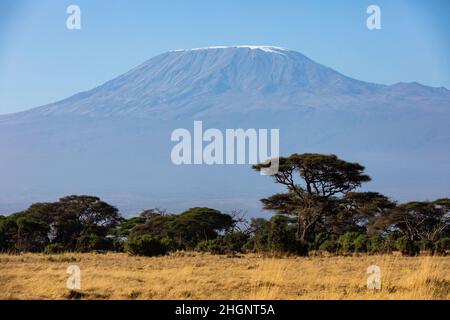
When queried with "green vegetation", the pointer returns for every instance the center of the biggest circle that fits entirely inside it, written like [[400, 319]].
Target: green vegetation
[[320, 210], [145, 246]]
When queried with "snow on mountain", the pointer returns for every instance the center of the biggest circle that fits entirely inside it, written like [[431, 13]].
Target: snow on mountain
[[270, 49]]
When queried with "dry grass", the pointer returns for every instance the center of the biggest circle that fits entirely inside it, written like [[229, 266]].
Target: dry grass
[[204, 276]]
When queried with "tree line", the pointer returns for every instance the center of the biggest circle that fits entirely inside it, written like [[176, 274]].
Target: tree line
[[320, 210]]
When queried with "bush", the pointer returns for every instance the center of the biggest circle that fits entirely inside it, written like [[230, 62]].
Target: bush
[[235, 241], [279, 235], [170, 244], [299, 247], [442, 246], [250, 245], [407, 247], [145, 246], [231, 242], [54, 248], [212, 246], [360, 243], [259, 242], [118, 244], [282, 238], [426, 245], [376, 244], [329, 245], [347, 241], [93, 243], [390, 242]]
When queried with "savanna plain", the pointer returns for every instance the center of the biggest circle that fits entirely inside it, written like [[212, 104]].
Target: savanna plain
[[190, 275]]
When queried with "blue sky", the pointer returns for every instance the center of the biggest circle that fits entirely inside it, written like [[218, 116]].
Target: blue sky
[[41, 61]]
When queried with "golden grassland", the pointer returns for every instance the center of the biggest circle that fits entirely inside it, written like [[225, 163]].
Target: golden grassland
[[188, 275]]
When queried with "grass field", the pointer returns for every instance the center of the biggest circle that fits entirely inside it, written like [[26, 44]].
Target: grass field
[[187, 275]]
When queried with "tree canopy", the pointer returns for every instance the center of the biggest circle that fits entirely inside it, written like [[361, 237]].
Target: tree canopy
[[313, 182], [321, 209]]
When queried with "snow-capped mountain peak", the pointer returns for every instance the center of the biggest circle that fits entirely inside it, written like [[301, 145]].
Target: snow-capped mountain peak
[[271, 49]]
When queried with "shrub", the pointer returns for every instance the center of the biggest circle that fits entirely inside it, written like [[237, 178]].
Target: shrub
[[426, 245], [216, 247], [360, 243], [259, 242], [202, 246], [235, 241], [442, 246], [212, 246], [230, 242], [278, 236], [407, 246], [347, 241], [282, 238], [170, 244], [329, 245], [299, 247], [93, 243], [54, 248], [145, 246], [376, 244], [250, 245], [390, 242], [118, 244]]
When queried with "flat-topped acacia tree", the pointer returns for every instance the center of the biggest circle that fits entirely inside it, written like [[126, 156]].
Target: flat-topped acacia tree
[[313, 182], [417, 220]]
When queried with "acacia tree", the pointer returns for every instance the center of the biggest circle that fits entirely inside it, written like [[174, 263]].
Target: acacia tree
[[156, 225], [95, 216], [199, 224], [186, 229], [360, 209], [313, 181], [75, 216], [417, 220]]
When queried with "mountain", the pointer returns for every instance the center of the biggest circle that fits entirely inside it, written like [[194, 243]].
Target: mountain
[[114, 140]]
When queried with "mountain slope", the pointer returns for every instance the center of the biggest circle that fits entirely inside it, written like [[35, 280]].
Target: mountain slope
[[216, 78]]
